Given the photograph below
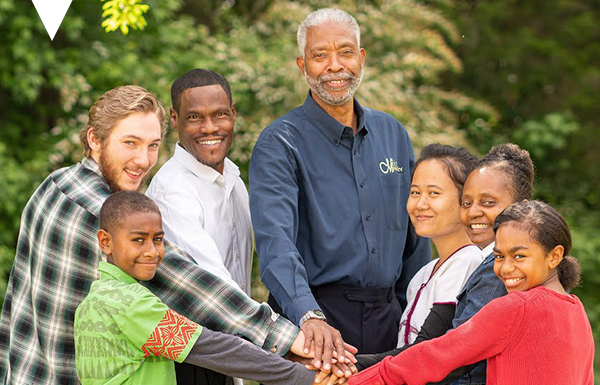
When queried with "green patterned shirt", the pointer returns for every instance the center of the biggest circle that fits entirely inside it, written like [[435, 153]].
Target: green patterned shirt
[[124, 334]]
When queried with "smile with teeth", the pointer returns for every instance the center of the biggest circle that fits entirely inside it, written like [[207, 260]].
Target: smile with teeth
[[134, 173], [210, 142], [477, 226], [512, 281]]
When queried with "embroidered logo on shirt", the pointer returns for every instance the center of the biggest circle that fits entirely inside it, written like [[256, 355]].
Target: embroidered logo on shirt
[[170, 337], [389, 165]]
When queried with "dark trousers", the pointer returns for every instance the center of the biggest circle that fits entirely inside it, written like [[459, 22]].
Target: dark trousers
[[367, 317], [194, 375]]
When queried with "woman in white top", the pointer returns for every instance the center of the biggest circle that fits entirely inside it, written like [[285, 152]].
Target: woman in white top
[[434, 209]]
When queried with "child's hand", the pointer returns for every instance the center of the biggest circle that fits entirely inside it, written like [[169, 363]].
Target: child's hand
[[322, 378]]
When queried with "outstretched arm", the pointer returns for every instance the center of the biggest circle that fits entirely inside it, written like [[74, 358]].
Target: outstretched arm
[[436, 324], [236, 357]]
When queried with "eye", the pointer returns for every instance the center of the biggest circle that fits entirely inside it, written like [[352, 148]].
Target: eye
[[348, 52], [194, 117], [415, 192], [465, 204], [519, 257], [434, 193], [498, 257], [158, 240], [138, 240], [154, 145], [489, 203], [129, 142]]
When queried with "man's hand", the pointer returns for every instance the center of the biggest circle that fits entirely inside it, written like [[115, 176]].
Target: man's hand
[[327, 344]]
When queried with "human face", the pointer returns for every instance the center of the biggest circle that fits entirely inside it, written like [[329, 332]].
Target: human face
[[433, 202], [129, 152], [205, 124], [136, 245], [332, 63], [485, 194], [520, 262]]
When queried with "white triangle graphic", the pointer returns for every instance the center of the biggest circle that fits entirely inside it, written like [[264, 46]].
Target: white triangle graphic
[[52, 13]]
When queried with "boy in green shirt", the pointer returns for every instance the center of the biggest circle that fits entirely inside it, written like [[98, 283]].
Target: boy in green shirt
[[124, 334]]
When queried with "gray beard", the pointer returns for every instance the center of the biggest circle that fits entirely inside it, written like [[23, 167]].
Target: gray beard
[[318, 87]]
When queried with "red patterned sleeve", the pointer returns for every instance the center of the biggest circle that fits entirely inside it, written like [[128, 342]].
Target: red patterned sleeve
[[173, 336]]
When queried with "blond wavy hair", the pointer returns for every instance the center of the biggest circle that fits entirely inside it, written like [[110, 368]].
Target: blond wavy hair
[[115, 105]]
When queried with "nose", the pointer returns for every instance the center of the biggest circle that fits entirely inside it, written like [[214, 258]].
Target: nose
[[209, 127], [335, 64], [151, 251], [143, 158], [474, 211], [422, 202], [507, 266]]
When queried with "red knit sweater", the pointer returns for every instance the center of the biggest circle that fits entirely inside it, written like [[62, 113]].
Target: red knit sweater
[[529, 338]]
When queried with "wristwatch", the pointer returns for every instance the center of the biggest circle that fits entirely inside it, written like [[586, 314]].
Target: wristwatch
[[313, 314]]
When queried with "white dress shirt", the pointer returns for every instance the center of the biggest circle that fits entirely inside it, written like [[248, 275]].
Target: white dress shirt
[[207, 214]]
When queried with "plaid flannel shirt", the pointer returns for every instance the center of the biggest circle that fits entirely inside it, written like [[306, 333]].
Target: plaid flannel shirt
[[57, 260]]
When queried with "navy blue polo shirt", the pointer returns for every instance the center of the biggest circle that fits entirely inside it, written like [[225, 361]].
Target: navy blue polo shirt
[[329, 206]]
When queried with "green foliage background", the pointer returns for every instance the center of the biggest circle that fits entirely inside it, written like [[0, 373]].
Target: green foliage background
[[472, 72]]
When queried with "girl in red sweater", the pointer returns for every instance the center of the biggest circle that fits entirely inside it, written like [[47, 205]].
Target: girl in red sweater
[[537, 334]]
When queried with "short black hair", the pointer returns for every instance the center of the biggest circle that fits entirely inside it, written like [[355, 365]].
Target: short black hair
[[198, 77], [547, 228], [516, 164], [122, 204], [459, 162]]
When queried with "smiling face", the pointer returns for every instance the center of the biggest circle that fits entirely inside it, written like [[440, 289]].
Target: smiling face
[[135, 245], [484, 196], [205, 124], [520, 263], [433, 202], [332, 63], [130, 151]]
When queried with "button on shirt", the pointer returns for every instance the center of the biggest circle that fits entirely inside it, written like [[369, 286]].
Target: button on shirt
[[329, 206], [207, 214]]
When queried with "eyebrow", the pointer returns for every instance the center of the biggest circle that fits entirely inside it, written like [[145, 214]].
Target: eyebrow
[[429, 185], [512, 249], [343, 44], [138, 138]]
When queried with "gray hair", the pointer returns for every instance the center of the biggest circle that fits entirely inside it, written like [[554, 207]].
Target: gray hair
[[322, 16]]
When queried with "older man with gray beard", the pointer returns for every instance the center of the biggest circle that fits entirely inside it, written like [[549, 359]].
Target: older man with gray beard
[[329, 183]]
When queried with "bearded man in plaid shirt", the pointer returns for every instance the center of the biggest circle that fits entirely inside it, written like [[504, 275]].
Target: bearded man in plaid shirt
[[57, 255]]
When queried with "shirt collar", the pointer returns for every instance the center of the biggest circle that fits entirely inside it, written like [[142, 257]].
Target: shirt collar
[[488, 252], [108, 271], [203, 171], [488, 249], [91, 165], [326, 123]]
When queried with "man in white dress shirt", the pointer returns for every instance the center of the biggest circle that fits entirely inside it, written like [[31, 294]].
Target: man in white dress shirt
[[203, 200]]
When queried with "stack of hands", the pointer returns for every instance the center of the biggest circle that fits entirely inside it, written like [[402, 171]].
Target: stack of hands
[[320, 347]]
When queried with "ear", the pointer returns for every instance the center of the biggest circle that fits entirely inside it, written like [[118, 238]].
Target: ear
[[105, 242], [174, 118], [300, 64], [233, 108], [363, 55], [94, 141], [555, 256]]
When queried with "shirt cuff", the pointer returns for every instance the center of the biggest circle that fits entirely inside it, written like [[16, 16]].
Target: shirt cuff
[[301, 306], [281, 336]]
